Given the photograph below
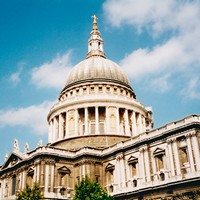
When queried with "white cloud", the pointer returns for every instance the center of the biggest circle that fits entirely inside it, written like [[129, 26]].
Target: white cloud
[[15, 77], [179, 55], [52, 74], [145, 61], [33, 117], [192, 91], [161, 84], [156, 16]]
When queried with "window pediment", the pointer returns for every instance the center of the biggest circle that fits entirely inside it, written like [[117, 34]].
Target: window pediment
[[12, 160], [64, 170], [159, 151], [30, 172], [132, 159], [110, 167]]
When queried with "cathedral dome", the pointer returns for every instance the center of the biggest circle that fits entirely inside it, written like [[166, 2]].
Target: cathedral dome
[[97, 69]]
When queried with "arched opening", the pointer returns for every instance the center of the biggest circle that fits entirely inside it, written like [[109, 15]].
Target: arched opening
[[62, 191], [134, 183], [162, 176], [111, 188]]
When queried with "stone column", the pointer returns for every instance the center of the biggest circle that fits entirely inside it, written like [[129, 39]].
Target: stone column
[[83, 169], [52, 178], [123, 171], [66, 125], [86, 121], [196, 151], [127, 128], [129, 177], [23, 179], [171, 159], [107, 121], [35, 174], [38, 173], [176, 157], [146, 160], [97, 120], [55, 123], [140, 123], [117, 121], [117, 177], [134, 127], [141, 165], [76, 122], [189, 146], [3, 187], [155, 176], [46, 184], [60, 135], [143, 124], [50, 131]]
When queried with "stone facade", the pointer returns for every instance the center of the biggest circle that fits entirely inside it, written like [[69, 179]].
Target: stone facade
[[98, 128]]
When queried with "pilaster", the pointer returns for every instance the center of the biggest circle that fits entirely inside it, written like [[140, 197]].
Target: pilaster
[[196, 151], [96, 120], [86, 121], [189, 146]]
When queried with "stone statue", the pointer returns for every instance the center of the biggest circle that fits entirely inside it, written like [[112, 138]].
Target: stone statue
[[16, 145], [39, 143], [6, 157], [26, 148]]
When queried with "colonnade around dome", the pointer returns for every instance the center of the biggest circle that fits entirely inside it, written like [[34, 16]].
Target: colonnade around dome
[[96, 120]]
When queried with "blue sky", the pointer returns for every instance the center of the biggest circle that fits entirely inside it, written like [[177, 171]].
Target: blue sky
[[155, 42]]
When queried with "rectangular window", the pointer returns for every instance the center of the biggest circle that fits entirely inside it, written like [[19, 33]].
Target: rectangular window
[[159, 162], [108, 89], [92, 89], [14, 184]]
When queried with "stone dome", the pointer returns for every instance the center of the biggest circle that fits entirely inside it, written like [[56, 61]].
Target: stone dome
[[97, 69]]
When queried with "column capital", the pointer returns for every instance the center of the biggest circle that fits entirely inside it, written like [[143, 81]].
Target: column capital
[[119, 156], [171, 140], [50, 162], [143, 148], [193, 134], [188, 135]]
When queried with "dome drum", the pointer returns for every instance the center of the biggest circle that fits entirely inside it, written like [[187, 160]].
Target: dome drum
[[92, 141]]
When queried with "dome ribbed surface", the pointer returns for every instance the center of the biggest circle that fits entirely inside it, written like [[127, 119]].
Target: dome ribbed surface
[[97, 69]]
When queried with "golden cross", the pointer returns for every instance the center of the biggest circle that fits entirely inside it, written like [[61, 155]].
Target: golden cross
[[95, 19]]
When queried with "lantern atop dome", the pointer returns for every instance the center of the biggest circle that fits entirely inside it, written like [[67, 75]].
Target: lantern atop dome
[[95, 42]]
